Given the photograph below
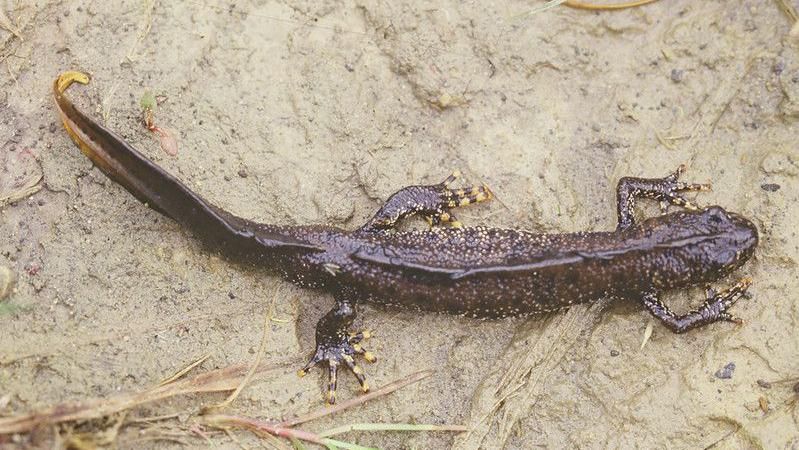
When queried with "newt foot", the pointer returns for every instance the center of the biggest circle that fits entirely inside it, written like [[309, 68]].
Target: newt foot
[[718, 302], [667, 190], [672, 187], [450, 198], [340, 353]]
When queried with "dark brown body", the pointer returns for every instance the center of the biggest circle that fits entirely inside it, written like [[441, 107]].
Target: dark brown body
[[489, 272], [473, 271]]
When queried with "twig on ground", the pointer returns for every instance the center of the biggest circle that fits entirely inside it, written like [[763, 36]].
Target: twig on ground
[[261, 350], [611, 7], [180, 373], [387, 389]]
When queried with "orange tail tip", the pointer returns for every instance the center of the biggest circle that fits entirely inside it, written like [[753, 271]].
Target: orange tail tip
[[67, 78], [61, 84]]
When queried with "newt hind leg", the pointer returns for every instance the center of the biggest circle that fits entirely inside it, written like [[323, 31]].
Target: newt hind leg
[[666, 189], [714, 308], [434, 202], [337, 346]]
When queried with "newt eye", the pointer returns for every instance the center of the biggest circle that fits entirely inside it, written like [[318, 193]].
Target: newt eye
[[716, 215]]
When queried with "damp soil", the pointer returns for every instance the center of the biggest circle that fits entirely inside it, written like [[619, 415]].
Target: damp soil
[[315, 112]]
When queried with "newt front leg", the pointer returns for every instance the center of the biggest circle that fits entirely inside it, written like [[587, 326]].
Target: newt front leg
[[666, 189], [713, 310]]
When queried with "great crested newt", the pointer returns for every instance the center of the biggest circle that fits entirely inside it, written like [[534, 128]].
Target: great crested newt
[[479, 271]]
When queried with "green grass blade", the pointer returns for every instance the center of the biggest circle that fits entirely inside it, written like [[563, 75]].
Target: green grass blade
[[334, 444], [297, 444]]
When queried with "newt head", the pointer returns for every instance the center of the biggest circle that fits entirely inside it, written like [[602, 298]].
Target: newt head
[[734, 239], [708, 243]]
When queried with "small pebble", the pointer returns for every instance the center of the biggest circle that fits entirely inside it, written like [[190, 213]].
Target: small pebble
[[231, 295], [243, 173], [725, 373], [677, 75], [614, 353], [764, 384], [770, 187], [180, 288]]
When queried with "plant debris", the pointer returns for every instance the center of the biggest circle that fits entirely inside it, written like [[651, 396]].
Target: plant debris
[[166, 136], [114, 410]]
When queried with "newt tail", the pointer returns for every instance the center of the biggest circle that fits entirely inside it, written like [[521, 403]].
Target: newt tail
[[152, 185]]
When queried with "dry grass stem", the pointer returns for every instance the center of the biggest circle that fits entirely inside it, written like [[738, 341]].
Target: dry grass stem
[[215, 381], [387, 389], [261, 350], [182, 372], [611, 7]]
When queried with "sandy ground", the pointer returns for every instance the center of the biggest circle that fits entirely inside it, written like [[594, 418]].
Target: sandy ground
[[316, 111]]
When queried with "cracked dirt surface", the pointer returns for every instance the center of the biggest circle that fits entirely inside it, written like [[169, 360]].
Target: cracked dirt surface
[[316, 111]]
